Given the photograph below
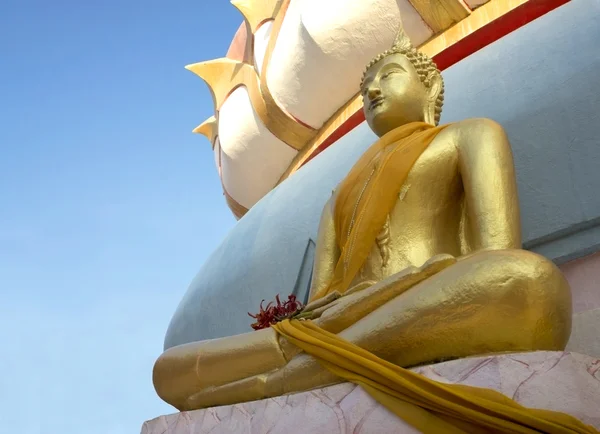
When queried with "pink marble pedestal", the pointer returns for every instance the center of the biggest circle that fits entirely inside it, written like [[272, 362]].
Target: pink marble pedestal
[[562, 381]]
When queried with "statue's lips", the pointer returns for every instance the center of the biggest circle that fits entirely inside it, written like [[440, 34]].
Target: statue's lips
[[376, 102]]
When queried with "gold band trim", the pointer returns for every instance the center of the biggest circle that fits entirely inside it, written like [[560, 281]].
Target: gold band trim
[[238, 210], [479, 18], [441, 14], [302, 133]]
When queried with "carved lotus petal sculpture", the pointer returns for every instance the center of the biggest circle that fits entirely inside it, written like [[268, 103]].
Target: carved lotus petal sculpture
[[292, 65]]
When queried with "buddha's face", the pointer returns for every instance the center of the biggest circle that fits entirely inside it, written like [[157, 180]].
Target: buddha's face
[[393, 94]]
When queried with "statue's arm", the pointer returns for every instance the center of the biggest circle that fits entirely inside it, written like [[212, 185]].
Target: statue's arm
[[492, 219], [327, 251]]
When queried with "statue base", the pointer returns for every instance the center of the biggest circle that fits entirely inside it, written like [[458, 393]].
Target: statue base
[[561, 381]]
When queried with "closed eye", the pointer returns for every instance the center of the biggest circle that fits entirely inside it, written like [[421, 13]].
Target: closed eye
[[387, 74]]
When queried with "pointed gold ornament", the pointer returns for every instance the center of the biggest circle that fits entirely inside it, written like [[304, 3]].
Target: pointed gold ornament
[[257, 12], [208, 129], [223, 75]]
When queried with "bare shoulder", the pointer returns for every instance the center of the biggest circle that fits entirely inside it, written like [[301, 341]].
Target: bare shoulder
[[478, 133], [484, 123], [328, 209]]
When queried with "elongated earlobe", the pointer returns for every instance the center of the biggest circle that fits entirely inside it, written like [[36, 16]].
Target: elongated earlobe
[[435, 87]]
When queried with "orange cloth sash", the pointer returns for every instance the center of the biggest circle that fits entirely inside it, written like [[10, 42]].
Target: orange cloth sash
[[368, 194], [427, 405]]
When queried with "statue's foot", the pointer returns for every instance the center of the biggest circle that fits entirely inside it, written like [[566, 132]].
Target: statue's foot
[[302, 373], [186, 369]]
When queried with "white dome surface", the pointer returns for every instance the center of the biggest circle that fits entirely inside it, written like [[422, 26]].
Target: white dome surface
[[252, 158], [322, 49], [261, 41]]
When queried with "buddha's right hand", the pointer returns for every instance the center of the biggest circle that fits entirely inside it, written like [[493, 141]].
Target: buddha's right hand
[[351, 307], [315, 309], [369, 290]]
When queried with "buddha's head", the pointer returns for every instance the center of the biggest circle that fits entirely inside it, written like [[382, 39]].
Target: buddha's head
[[401, 85]]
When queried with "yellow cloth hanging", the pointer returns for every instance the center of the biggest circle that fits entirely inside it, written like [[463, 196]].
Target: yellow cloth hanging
[[369, 192], [427, 405]]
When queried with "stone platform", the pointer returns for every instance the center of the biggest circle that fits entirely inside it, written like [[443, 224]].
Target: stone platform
[[561, 381]]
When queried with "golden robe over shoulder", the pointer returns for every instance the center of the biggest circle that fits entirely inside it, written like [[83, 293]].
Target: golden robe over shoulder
[[368, 194]]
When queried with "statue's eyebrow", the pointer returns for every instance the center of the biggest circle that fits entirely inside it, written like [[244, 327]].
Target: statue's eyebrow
[[391, 66]]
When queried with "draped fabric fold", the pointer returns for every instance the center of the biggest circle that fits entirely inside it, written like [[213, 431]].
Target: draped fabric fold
[[368, 193], [427, 405]]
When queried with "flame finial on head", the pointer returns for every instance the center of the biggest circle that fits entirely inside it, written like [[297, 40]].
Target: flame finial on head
[[402, 41]]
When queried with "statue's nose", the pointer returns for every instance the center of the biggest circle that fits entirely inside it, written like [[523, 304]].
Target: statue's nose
[[374, 92]]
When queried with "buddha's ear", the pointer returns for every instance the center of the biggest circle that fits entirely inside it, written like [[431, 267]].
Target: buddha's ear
[[435, 86]]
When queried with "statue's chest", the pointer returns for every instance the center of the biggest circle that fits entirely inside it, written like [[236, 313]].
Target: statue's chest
[[428, 202], [433, 180]]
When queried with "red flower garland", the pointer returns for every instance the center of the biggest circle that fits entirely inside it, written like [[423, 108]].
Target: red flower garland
[[274, 313]]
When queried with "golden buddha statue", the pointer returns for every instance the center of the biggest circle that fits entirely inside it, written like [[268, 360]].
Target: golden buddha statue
[[418, 256]]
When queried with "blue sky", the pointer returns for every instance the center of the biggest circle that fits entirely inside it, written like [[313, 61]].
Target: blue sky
[[108, 203]]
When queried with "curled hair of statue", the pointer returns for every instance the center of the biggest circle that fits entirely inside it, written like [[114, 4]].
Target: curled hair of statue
[[423, 64]]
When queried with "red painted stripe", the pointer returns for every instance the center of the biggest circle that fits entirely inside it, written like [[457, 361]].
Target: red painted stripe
[[477, 40], [348, 125], [495, 30]]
